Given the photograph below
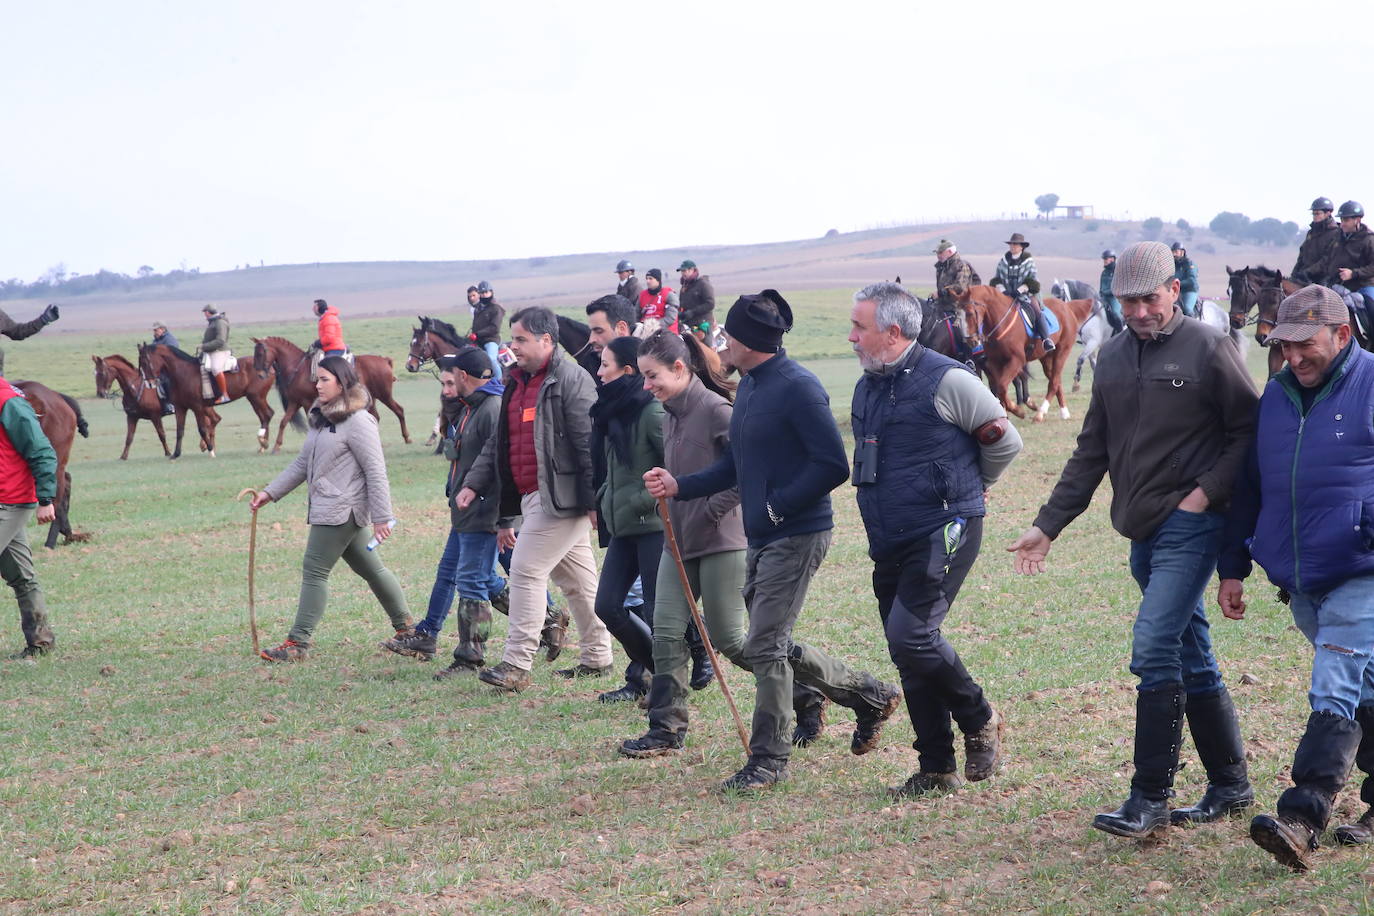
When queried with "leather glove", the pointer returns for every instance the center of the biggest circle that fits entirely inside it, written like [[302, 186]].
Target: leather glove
[[50, 314]]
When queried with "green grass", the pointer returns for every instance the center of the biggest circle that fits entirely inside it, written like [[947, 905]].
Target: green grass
[[154, 766]]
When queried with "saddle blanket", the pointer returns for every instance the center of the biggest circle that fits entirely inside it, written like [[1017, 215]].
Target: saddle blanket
[[207, 384], [1051, 320]]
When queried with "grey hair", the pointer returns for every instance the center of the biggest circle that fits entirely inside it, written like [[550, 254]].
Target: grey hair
[[895, 307]]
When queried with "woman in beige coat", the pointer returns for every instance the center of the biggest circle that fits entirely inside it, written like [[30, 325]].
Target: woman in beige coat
[[341, 464]]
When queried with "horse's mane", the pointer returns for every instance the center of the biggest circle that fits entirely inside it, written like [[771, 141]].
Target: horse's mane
[[282, 343], [180, 354], [445, 330], [120, 361]]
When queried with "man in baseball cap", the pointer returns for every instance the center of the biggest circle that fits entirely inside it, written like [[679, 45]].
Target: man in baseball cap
[[1170, 420], [1303, 496], [698, 301]]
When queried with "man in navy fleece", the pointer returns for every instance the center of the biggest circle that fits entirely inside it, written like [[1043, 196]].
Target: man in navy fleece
[[785, 455]]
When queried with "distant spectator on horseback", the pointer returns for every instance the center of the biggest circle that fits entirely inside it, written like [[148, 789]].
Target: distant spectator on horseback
[[28, 479], [1110, 306], [16, 330], [214, 350], [952, 275], [1015, 270], [330, 341], [473, 298], [1321, 236], [658, 305], [628, 285], [698, 298], [163, 336], [487, 316], [1185, 271], [167, 339], [1350, 262]]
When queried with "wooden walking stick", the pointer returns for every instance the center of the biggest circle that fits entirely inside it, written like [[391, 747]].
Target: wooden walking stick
[[701, 624], [252, 556]]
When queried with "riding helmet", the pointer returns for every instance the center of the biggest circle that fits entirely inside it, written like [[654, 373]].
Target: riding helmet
[[1175, 246], [624, 264], [1351, 208], [1322, 203], [1108, 253], [483, 287]]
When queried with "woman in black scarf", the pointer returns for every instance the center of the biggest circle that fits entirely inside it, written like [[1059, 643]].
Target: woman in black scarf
[[627, 441]]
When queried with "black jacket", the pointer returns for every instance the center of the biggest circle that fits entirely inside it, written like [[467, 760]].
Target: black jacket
[[1315, 249], [1355, 253], [697, 302], [486, 322]]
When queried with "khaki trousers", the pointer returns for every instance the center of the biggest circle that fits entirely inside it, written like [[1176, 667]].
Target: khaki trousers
[[552, 547]]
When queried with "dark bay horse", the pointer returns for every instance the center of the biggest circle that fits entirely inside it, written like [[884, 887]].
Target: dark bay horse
[[994, 320], [432, 339], [140, 401], [1259, 289], [576, 338], [942, 333], [291, 367], [60, 418], [185, 392]]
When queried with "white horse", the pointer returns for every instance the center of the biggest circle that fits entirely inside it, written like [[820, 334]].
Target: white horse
[[1093, 332], [1215, 315]]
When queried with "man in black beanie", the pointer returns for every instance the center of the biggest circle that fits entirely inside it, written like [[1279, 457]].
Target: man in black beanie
[[785, 455]]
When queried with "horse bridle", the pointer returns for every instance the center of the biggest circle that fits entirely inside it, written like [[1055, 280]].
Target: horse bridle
[[1234, 315]]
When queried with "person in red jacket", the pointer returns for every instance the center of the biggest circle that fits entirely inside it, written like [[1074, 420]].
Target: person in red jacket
[[658, 305], [28, 479], [330, 341]]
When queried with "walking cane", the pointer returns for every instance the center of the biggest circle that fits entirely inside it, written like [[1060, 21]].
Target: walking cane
[[252, 556], [701, 624]]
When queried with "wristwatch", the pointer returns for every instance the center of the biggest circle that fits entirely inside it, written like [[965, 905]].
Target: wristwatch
[[44, 501]]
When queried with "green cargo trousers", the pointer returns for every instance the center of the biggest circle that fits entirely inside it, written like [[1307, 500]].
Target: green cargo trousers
[[323, 548], [16, 567]]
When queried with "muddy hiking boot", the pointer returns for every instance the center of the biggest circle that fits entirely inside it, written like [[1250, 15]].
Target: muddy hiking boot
[[406, 628], [581, 670], [653, 744], [870, 717], [1216, 735], [34, 652], [419, 645], [1361, 832], [1290, 840], [758, 774], [983, 749], [810, 721], [474, 628], [288, 651], [505, 676], [1357, 833], [555, 633], [923, 783], [500, 602]]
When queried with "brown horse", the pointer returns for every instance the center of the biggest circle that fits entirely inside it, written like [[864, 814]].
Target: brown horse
[[185, 392], [60, 419], [993, 321], [140, 401], [1260, 289], [431, 340], [292, 367]]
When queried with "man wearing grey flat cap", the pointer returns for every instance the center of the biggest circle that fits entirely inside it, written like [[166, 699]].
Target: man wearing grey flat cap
[[1170, 420], [1303, 508], [785, 455]]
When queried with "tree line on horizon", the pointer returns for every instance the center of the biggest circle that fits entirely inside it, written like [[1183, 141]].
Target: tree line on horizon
[[1233, 227]]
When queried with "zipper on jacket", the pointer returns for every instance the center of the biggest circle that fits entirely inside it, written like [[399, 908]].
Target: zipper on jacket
[[1296, 398]]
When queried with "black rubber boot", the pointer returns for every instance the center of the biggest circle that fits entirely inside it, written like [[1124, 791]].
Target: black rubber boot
[[809, 706], [1321, 766], [1158, 732], [703, 672], [1216, 735], [1361, 831]]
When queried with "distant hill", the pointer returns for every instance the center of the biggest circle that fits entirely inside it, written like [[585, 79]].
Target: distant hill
[[1063, 248]]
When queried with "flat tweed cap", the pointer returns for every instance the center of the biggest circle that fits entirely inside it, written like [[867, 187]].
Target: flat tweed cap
[[1142, 268], [1306, 312]]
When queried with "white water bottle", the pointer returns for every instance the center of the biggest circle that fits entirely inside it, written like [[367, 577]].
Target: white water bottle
[[372, 544]]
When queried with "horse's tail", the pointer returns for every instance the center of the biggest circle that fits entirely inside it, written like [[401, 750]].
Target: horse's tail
[[297, 421], [81, 426]]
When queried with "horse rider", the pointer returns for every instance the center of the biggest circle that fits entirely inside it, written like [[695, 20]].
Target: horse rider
[[17, 330], [952, 275], [330, 341], [1185, 271], [627, 283], [28, 478], [1321, 235], [1171, 418], [658, 305], [1350, 260], [167, 339], [487, 316], [1303, 464], [1111, 308], [698, 300], [214, 350], [1015, 270]]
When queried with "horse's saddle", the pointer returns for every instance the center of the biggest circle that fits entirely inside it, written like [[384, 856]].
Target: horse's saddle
[[318, 355], [1359, 308], [1028, 318], [207, 385]]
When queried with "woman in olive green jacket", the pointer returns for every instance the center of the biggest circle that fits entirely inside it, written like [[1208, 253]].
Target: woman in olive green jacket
[[627, 441], [341, 464]]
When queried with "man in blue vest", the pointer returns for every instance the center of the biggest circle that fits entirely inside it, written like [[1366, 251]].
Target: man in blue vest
[[941, 439], [1304, 510], [1171, 417]]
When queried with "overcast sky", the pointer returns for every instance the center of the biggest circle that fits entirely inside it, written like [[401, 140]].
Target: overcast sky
[[146, 132]]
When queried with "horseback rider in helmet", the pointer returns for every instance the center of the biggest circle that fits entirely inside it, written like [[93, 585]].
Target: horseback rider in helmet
[[1321, 235], [1350, 262], [1185, 272], [1111, 308], [1015, 270]]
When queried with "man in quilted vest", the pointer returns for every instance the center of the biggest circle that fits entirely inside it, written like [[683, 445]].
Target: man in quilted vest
[[1303, 508], [28, 479]]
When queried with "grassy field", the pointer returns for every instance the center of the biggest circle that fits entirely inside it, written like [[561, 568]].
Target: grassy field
[[154, 766]]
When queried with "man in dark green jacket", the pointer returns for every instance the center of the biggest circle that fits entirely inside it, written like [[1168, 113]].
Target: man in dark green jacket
[[28, 479], [18, 330]]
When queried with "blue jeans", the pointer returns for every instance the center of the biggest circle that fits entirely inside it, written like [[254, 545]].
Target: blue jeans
[[1339, 623], [468, 566], [493, 349], [1171, 642], [1188, 302]]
